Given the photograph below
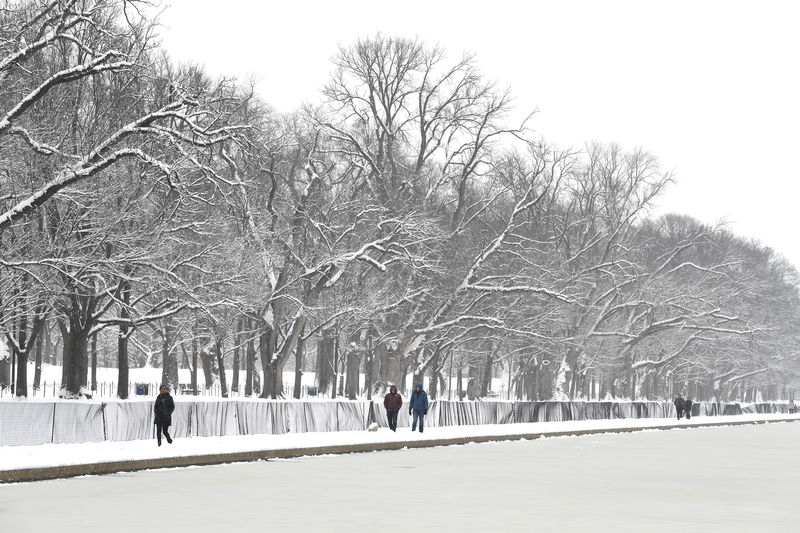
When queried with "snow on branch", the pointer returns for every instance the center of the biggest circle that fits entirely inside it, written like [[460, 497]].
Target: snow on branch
[[519, 288], [458, 320], [96, 66]]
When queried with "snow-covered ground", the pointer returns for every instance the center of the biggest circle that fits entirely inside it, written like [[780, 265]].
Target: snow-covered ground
[[16, 457], [151, 376], [729, 479]]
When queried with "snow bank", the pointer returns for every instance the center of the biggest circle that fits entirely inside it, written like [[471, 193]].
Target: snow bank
[[45, 455]]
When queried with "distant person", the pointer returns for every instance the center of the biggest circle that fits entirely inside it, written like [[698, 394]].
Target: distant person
[[679, 406], [687, 408], [392, 402], [163, 414], [792, 407], [418, 406]]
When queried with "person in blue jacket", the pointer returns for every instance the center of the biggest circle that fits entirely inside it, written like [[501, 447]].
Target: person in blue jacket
[[418, 406]]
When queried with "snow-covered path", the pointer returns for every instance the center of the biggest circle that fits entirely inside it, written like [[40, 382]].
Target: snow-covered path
[[732, 478], [49, 455]]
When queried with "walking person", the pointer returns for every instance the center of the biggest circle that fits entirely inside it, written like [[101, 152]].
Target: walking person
[[679, 405], [163, 414], [687, 408], [392, 402], [418, 406]]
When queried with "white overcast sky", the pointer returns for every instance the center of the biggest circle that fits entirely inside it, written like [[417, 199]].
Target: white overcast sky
[[711, 88]]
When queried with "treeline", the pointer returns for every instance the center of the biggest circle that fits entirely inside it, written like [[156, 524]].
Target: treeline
[[403, 225]]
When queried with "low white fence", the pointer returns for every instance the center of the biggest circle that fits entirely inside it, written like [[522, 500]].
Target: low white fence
[[41, 422]]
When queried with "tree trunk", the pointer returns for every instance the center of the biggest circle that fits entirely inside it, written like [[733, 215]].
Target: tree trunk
[[250, 360], [532, 384], [207, 362], [572, 358], [419, 374], [325, 360], [237, 339], [459, 384], [235, 369], [37, 369], [220, 351], [169, 360], [122, 362], [75, 355], [603, 386], [369, 368], [338, 362], [437, 368], [392, 366], [49, 350], [299, 361], [195, 351], [587, 385], [21, 356], [266, 348], [486, 382], [630, 374], [273, 378], [94, 362], [187, 360], [122, 344], [450, 375], [353, 374], [21, 385]]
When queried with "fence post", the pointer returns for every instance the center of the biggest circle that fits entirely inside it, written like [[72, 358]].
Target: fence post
[[103, 411], [53, 430]]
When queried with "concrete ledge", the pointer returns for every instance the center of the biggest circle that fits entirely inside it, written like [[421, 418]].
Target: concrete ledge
[[66, 471]]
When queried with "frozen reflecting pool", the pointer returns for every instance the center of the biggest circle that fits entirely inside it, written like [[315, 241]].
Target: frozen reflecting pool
[[743, 478]]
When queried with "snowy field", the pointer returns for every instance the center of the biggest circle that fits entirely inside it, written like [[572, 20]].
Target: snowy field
[[726, 478], [151, 376]]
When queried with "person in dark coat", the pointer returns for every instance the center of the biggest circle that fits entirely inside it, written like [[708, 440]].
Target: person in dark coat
[[687, 408], [392, 402], [163, 414], [679, 406], [418, 406]]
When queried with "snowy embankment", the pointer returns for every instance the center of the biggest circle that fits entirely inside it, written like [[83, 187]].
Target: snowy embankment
[[93, 453]]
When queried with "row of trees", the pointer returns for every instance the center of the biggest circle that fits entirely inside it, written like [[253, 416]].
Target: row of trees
[[399, 227]]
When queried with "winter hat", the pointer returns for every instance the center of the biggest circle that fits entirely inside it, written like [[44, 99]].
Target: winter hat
[[393, 388]]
